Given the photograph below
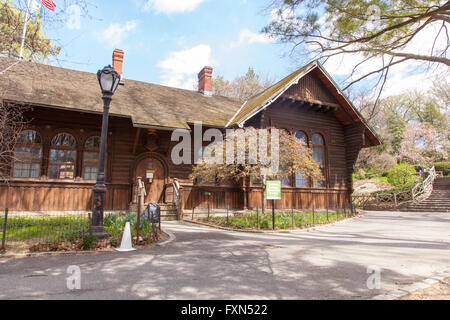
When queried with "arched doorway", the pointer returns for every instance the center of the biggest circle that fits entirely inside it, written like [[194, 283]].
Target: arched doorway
[[154, 175]]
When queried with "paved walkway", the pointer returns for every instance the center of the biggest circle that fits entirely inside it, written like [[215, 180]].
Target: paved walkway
[[328, 263]]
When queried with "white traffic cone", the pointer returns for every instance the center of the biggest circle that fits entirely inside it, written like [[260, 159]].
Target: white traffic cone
[[126, 244]]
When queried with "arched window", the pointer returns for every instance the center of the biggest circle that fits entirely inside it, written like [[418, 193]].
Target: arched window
[[28, 155], [285, 181], [91, 158], [63, 157], [302, 137], [300, 179], [318, 152]]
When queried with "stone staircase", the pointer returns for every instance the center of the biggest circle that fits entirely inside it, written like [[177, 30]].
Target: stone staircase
[[439, 201], [168, 212]]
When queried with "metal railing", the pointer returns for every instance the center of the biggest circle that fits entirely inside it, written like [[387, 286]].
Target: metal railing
[[24, 231], [419, 193], [177, 196], [422, 191]]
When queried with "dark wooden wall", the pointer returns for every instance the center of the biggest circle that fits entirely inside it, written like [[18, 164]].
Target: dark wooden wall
[[44, 194], [234, 198], [55, 196], [295, 117], [126, 145]]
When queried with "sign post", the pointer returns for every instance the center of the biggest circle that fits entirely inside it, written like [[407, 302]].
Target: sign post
[[273, 192]]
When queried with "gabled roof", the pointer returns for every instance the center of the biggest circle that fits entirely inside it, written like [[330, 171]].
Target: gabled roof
[[263, 100], [148, 105], [151, 105]]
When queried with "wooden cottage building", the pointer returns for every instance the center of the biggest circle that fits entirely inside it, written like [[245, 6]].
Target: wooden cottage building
[[57, 154]]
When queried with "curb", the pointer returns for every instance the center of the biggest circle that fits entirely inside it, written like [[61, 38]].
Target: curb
[[171, 239], [308, 229], [79, 253], [55, 253], [409, 289]]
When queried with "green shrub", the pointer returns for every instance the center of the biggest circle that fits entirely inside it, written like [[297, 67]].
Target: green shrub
[[368, 173], [443, 167], [382, 179], [400, 189], [115, 224], [88, 242], [402, 174], [359, 174], [265, 224]]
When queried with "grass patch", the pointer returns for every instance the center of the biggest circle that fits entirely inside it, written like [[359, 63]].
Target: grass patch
[[283, 220], [46, 229], [68, 228]]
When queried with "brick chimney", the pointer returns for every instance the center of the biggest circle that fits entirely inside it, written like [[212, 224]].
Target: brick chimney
[[118, 61], [205, 81]]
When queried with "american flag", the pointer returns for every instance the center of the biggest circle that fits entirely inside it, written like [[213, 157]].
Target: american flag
[[49, 4]]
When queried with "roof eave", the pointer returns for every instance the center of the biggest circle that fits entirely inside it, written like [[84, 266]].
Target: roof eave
[[358, 114], [275, 96]]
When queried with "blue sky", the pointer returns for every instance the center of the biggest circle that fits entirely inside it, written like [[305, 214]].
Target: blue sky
[[169, 44], [169, 41]]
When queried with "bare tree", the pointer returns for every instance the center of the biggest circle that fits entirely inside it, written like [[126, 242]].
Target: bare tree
[[441, 92], [293, 155], [377, 34], [243, 87], [37, 45], [12, 123]]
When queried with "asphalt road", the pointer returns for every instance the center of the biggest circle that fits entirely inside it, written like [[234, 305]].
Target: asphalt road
[[330, 262]]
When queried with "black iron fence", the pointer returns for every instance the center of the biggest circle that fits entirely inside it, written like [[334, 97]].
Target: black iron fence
[[284, 219], [23, 231], [28, 231]]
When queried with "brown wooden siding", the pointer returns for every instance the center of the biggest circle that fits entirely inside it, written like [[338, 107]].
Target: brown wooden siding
[[296, 198], [301, 199], [126, 145], [310, 88], [220, 198], [295, 117], [354, 141], [41, 196]]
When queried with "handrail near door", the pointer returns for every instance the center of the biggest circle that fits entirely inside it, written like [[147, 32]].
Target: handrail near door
[[177, 198]]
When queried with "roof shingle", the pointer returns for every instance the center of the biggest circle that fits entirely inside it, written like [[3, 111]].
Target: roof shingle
[[145, 103]]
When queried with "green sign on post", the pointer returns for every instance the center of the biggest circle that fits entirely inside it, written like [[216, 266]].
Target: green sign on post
[[273, 190]]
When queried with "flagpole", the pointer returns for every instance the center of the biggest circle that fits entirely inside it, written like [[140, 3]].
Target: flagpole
[[25, 25]]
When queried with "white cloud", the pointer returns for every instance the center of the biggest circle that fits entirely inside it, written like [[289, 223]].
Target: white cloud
[[172, 6], [35, 5], [248, 37], [116, 33], [180, 68], [283, 17]]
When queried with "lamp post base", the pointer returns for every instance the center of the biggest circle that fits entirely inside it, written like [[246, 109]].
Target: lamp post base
[[98, 232], [96, 228]]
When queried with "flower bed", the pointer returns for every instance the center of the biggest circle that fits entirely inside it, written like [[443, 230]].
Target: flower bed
[[71, 233], [283, 220]]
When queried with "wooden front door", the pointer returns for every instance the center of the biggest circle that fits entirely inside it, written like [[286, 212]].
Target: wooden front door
[[155, 187]]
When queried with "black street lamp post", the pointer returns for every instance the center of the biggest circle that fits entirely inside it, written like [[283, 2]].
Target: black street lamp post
[[109, 80]]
